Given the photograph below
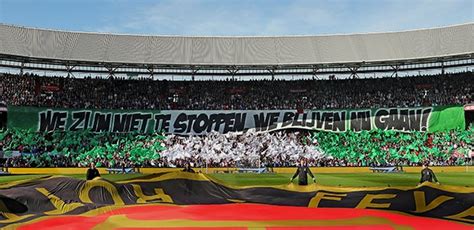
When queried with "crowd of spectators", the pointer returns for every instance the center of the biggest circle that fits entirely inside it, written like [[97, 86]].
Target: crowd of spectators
[[276, 149], [29, 149], [63, 92]]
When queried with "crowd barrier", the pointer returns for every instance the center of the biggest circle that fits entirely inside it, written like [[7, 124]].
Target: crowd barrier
[[50, 171]]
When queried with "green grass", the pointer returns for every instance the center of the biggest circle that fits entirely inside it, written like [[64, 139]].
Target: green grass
[[354, 179], [339, 179]]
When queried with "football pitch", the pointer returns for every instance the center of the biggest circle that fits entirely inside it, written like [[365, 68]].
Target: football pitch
[[329, 179], [195, 200]]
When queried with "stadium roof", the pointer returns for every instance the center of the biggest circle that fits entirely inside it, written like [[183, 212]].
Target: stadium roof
[[95, 49]]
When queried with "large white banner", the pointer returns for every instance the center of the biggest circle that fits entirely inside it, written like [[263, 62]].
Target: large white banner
[[199, 122]]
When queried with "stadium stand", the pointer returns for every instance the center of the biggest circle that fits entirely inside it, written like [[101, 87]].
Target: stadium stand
[[60, 92], [250, 150], [30, 50]]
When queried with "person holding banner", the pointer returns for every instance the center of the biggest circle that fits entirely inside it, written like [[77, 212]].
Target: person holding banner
[[302, 173], [187, 168], [92, 172], [427, 174]]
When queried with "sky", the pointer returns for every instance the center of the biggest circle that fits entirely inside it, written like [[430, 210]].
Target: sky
[[236, 17]]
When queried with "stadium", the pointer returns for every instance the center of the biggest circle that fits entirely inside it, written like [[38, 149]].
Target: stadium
[[207, 132]]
